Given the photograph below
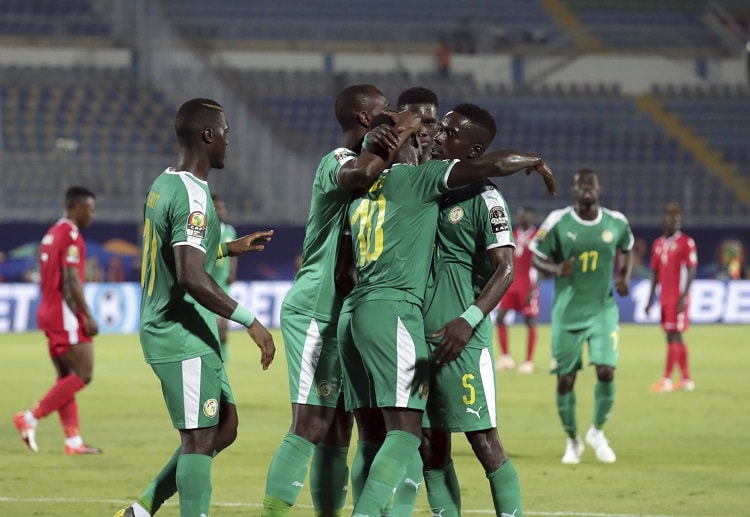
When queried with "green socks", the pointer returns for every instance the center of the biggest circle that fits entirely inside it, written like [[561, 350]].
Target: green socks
[[363, 457], [566, 408], [387, 471], [506, 491], [604, 398], [194, 484], [405, 497], [329, 480], [443, 491], [163, 486], [286, 475]]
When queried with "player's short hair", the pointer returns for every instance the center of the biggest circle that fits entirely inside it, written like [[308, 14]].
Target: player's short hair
[[584, 172], [194, 116], [673, 208], [75, 195], [479, 117], [351, 101], [417, 95]]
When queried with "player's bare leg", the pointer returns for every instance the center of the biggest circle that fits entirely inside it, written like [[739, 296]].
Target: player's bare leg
[[329, 473], [443, 491]]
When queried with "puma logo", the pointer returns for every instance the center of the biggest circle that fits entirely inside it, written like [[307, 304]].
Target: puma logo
[[572, 235], [410, 481], [503, 514], [297, 484], [438, 514], [475, 411]]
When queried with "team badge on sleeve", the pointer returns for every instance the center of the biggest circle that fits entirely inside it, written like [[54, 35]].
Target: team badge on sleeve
[[196, 225], [72, 255], [498, 219]]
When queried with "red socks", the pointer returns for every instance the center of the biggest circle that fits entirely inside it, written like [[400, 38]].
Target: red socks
[[60, 394], [682, 360], [69, 418], [677, 353]]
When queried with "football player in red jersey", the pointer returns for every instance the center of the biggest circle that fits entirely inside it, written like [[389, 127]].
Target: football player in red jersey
[[66, 319], [523, 295], [674, 261]]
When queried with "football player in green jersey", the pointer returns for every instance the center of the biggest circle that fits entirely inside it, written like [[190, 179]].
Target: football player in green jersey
[[472, 268], [579, 245], [423, 102], [320, 428], [225, 270], [381, 330], [179, 305]]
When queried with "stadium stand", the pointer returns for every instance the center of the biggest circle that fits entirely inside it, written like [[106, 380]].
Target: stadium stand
[[51, 18]]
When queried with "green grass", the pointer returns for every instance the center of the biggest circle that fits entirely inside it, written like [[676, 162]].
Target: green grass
[[678, 454]]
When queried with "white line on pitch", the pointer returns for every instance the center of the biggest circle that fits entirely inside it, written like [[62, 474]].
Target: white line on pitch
[[488, 511]]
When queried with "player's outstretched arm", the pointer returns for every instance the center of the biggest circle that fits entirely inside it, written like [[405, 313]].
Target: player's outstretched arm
[[500, 164], [456, 333], [548, 267], [652, 291], [252, 242], [382, 145]]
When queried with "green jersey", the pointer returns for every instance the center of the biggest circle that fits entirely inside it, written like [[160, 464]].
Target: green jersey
[[220, 272], [471, 222], [393, 232], [314, 292], [587, 293], [178, 212]]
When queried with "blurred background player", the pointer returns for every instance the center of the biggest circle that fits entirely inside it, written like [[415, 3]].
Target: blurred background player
[[67, 322], [423, 102], [523, 295], [578, 246], [674, 262], [225, 269]]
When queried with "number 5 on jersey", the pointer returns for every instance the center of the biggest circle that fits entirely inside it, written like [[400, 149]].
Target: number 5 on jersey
[[367, 224]]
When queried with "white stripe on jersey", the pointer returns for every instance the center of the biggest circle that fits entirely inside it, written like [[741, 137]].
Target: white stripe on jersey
[[552, 219], [487, 373], [405, 364], [492, 199], [310, 357], [191, 391], [70, 323], [198, 198]]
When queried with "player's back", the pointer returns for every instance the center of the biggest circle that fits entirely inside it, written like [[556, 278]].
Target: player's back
[[62, 246], [178, 212], [313, 292], [393, 232]]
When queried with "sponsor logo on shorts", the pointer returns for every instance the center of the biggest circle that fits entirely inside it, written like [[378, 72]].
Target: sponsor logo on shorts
[[456, 214], [324, 389], [424, 389], [210, 408], [607, 236]]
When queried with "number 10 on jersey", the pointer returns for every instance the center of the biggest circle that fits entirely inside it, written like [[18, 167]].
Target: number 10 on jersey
[[367, 223]]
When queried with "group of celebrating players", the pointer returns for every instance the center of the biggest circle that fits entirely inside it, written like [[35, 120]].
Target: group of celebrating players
[[408, 248]]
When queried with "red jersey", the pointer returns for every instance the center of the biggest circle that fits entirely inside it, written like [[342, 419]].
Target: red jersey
[[524, 276], [670, 259], [61, 247]]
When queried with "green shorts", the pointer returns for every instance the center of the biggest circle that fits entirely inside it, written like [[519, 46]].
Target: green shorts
[[602, 335], [384, 355], [462, 393], [194, 389], [312, 357]]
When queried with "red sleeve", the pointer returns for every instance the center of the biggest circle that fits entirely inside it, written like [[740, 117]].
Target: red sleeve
[[691, 258], [654, 257], [71, 250]]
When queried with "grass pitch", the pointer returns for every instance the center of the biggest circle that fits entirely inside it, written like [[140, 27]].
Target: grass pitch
[[678, 454]]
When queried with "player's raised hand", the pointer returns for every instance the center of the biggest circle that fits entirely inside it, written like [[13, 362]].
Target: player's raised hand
[[549, 179], [252, 242], [406, 121], [264, 340], [566, 268], [381, 138], [456, 333]]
